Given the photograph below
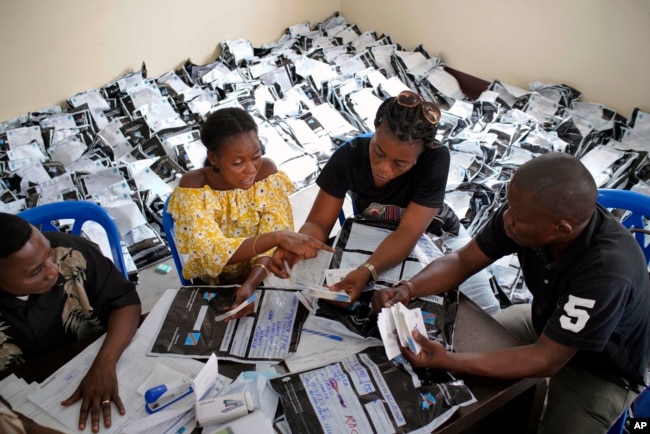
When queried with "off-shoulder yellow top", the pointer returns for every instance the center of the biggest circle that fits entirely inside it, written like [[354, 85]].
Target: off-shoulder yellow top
[[210, 225]]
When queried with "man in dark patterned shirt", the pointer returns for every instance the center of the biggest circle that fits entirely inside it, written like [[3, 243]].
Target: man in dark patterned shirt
[[588, 327], [56, 288]]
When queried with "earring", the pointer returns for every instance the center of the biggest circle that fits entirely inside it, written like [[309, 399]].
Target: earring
[[216, 169]]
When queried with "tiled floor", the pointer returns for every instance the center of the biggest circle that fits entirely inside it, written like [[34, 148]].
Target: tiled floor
[[152, 283]]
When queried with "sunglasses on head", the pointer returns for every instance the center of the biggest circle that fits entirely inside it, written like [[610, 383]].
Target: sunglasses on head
[[430, 111]]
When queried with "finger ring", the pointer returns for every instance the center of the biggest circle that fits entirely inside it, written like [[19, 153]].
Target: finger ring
[[107, 402]]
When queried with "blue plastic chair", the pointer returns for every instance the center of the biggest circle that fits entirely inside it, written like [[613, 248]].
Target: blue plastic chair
[[640, 408], [47, 214], [168, 227], [342, 215], [639, 206]]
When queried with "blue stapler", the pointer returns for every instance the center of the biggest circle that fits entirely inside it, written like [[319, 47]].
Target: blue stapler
[[163, 395]]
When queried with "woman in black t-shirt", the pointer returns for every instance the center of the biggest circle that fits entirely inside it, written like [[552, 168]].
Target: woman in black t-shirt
[[399, 174]]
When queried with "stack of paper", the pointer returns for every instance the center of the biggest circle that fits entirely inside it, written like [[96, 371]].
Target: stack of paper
[[395, 326]]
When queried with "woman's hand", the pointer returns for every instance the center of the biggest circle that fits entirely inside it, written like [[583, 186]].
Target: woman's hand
[[243, 292], [280, 260], [301, 245], [293, 248]]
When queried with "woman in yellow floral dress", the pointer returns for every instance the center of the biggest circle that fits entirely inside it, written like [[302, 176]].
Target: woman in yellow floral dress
[[231, 214]]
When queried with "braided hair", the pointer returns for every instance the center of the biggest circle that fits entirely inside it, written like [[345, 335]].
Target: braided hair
[[407, 124]]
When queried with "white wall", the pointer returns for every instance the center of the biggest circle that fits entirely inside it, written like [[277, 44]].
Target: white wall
[[600, 47], [52, 49]]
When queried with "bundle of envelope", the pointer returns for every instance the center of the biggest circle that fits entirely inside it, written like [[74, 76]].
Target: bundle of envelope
[[395, 326], [124, 145]]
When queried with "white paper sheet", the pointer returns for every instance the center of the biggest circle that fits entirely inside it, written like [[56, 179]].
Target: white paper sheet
[[132, 368]]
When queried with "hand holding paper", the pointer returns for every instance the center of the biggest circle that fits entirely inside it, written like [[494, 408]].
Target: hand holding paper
[[324, 293], [407, 320], [395, 326], [230, 313], [317, 291]]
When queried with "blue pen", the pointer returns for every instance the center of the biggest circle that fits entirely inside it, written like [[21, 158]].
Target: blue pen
[[327, 335]]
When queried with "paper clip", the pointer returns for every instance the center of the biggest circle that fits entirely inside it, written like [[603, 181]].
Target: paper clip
[[163, 395]]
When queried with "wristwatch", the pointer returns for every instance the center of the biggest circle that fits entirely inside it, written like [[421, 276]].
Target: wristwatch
[[371, 268]]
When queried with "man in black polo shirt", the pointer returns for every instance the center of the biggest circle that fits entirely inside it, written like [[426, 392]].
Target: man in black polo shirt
[[588, 327], [56, 288]]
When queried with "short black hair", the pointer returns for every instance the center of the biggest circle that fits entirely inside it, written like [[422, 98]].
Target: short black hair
[[561, 184], [225, 123], [15, 232], [406, 124]]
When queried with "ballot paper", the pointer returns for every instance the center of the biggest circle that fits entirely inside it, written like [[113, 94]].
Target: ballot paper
[[326, 294], [16, 390], [316, 291], [438, 314], [308, 271], [395, 326]]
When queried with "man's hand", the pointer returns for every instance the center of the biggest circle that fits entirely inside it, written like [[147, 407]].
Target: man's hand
[[431, 353], [97, 391], [387, 297]]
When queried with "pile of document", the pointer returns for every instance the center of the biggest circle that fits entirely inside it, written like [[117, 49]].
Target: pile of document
[[307, 362], [396, 324], [124, 145]]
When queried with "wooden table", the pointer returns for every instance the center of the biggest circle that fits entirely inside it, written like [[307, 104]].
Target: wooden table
[[504, 406]]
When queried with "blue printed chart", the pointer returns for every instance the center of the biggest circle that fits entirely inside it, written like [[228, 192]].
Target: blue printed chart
[[189, 328], [368, 393]]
